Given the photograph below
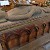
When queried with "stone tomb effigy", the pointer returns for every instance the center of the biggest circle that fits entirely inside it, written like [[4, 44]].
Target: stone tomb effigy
[[21, 32], [20, 35]]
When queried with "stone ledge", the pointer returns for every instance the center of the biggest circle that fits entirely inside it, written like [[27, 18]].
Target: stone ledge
[[36, 43]]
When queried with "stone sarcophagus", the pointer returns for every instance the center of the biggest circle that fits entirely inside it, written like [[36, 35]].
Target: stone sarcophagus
[[19, 33]]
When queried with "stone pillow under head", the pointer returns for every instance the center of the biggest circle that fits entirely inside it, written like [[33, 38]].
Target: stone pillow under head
[[2, 14]]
